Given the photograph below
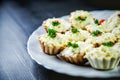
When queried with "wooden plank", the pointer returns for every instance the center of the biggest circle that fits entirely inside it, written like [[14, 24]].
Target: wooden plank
[[14, 60]]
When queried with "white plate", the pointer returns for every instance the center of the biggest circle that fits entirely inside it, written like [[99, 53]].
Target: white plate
[[53, 63]]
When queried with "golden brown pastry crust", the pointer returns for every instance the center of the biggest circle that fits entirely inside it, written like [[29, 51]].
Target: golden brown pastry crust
[[78, 59], [50, 50]]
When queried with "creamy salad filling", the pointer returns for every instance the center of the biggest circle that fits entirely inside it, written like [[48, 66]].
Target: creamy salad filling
[[81, 19], [77, 34], [81, 49], [59, 40], [103, 52], [60, 25]]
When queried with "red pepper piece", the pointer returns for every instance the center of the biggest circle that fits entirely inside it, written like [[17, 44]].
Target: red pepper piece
[[101, 21], [119, 15], [82, 17]]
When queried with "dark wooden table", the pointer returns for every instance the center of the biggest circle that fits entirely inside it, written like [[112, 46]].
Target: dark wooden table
[[17, 22]]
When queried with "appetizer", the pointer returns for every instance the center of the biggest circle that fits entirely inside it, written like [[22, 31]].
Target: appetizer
[[77, 34], [52, 43], [103, 57], [60, 25], [80, 19], [75, 52]]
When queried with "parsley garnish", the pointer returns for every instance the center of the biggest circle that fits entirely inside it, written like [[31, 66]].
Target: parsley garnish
[[108, 44], [69, 44], [81, 18], [95, 33], [74, 45], [55, 23], [74, 30], [96, 22], [52, 33]]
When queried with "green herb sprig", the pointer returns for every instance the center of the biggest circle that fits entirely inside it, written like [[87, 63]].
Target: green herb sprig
[[74, 45], [74, 30], [96, 32], [96, 22], [55, 23], [52, 33], [108, 44]]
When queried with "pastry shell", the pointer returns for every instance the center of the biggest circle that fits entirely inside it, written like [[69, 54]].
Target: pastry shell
[[50, 50], [75, 59], [103, 63]]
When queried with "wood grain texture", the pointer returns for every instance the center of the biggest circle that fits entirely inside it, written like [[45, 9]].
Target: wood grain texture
[[17, 22]]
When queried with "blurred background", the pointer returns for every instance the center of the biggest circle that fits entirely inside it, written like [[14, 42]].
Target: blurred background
[[111, 4], [57, 8]]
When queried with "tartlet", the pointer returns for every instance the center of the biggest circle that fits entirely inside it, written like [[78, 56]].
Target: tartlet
[[52, 45], [58, 24], [103, 38], [117, 45], [77, 34], [114, 20], [104, 27], [80, 19], [103, 57], [75, 52], [116, 31]]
